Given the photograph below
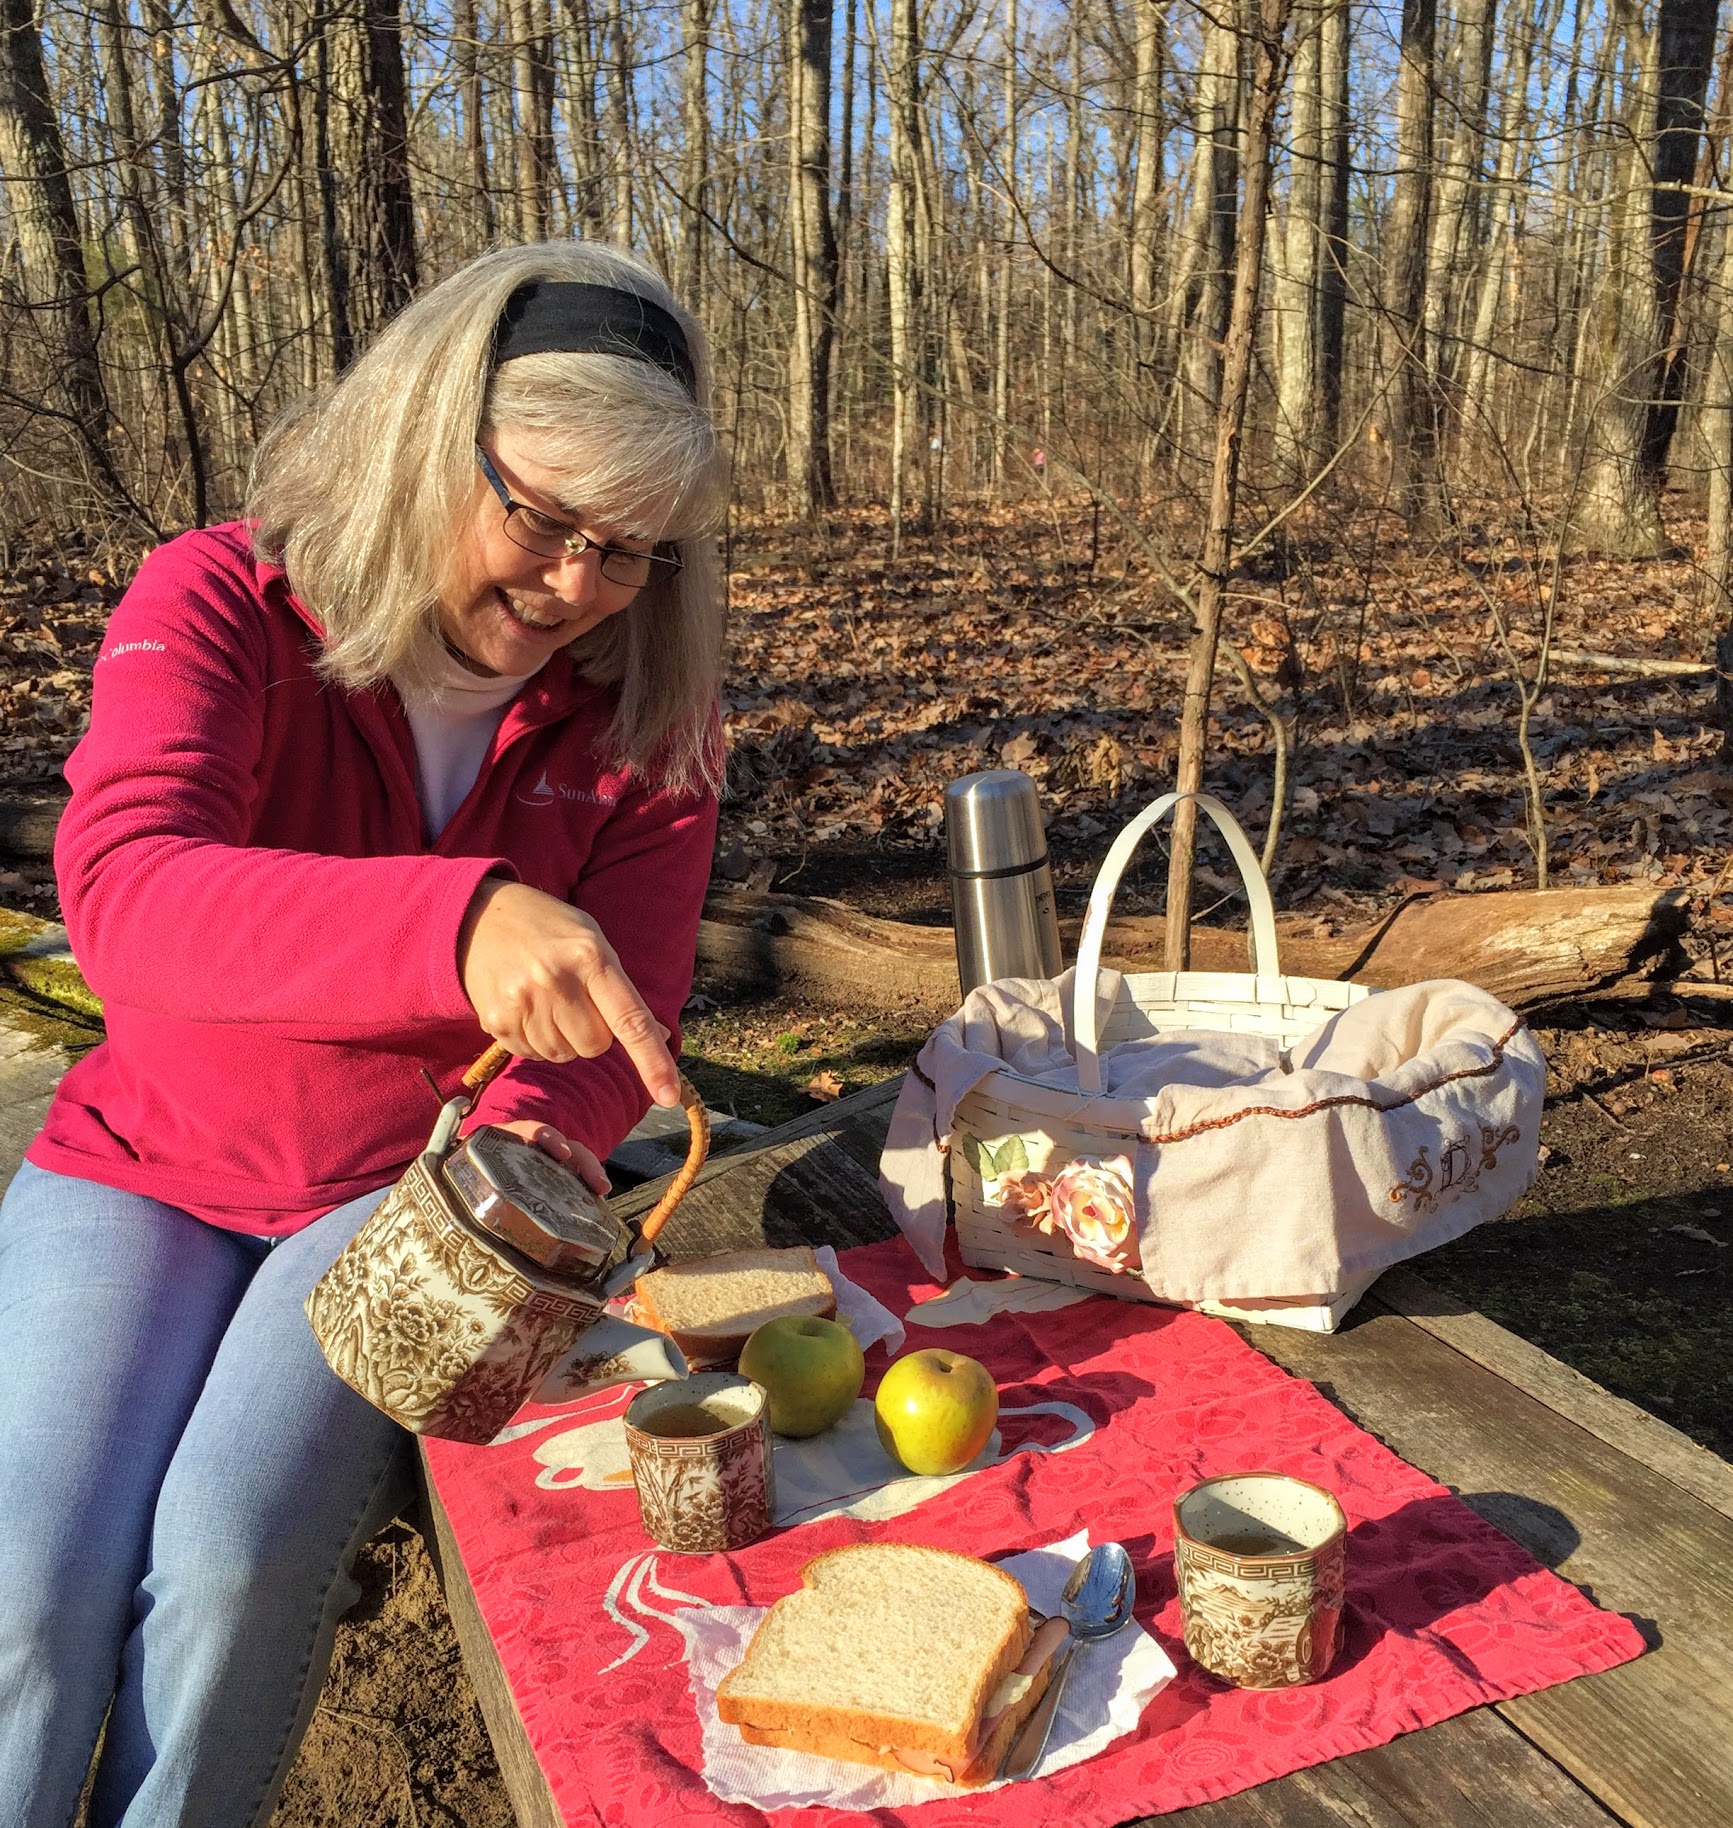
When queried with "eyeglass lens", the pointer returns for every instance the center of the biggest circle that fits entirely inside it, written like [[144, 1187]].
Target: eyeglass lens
[[618, 566]]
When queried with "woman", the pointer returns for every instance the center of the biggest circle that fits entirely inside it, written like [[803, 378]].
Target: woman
[[424, 752]]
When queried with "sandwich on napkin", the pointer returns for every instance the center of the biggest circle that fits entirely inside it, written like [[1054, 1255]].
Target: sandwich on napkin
[[892, 1654], [713, 1305]]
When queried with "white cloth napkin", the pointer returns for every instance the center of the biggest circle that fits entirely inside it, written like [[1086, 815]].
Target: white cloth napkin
[[867, 1317], [1110, 1685]]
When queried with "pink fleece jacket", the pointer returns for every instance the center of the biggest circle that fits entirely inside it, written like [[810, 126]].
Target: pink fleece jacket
[[247, 887]]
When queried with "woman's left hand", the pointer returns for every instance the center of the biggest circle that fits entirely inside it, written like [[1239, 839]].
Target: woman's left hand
[[573, 1154]]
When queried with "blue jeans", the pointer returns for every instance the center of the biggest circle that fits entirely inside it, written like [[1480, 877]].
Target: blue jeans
[[184, 1485]]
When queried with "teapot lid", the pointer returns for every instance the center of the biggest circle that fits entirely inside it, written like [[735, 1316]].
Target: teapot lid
[[521, 1194]]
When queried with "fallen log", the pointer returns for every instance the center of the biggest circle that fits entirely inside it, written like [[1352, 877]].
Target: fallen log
[[1528, 947], [28, 823], [1631, 665]]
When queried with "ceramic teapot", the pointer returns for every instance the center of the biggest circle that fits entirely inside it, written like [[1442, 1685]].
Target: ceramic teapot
[[480, 1270]]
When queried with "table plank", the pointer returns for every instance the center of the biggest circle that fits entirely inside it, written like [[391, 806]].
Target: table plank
[[1620, 1424], [859, 1121], [1649, 1738], [532, 1801], [806, 1188], [1469, 1772]]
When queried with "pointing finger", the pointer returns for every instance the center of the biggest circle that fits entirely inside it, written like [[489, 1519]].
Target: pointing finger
[[618, 1003]]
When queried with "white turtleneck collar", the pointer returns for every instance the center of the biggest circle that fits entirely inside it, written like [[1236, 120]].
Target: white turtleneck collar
[[454, 721]]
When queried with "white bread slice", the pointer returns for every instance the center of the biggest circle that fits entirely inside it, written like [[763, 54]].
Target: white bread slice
[[713, 1305], [886, 1647]]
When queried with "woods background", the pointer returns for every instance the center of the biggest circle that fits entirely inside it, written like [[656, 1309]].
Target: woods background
[[930, 237], [1230, 314]]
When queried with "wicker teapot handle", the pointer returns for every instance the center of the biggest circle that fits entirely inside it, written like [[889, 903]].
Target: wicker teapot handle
[[699, 1120], [1086, 990]]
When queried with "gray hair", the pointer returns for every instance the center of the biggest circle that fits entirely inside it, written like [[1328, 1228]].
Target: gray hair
[[357, 491]]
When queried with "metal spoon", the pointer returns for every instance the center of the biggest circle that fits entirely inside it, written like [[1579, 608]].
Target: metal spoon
[[1097, 1602]]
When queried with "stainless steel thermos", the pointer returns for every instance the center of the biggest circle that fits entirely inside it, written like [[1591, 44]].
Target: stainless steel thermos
[[1001, 886]]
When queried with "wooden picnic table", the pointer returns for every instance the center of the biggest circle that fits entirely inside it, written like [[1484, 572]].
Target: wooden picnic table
[[1597, 1489]]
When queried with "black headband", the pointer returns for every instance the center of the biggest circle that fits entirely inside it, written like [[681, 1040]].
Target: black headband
[[549, 316]]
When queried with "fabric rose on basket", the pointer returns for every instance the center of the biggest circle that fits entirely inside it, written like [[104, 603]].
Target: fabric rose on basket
[[1030, 1198], [1091, 1201]]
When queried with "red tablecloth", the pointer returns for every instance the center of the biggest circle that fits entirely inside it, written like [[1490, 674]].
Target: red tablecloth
[[1444, 1612]]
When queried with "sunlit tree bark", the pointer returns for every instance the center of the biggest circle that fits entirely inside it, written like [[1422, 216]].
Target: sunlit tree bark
[[814, 248], [1413, 430], [1267, 24], [1620, 509], [1295, 294], [1685, 48], [49, 238], [901, 278]]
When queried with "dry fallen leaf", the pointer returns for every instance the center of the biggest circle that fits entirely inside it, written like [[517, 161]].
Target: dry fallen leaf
[[825, 1086]]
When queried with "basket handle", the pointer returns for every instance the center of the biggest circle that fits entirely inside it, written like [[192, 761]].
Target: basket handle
[[1086, 989]]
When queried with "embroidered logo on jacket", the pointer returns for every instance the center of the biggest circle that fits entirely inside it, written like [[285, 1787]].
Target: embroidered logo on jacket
[[545, 793]]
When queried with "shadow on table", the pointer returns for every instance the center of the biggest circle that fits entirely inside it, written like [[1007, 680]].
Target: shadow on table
[[1410, 1571]]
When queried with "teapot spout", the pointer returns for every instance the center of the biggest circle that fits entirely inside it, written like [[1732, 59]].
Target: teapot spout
[[609, 1352]]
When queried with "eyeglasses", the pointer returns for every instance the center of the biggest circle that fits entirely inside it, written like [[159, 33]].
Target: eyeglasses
[[549, 538]]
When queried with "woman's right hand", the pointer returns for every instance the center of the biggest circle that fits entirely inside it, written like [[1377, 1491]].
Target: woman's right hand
[[545, 982]]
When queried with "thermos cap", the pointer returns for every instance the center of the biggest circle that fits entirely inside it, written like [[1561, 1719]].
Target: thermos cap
[[993, 822]]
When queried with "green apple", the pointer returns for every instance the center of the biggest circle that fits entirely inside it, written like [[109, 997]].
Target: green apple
[[810, 1367], [935, 1410]]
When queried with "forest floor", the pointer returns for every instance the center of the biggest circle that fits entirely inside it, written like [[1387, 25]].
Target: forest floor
[[858, 687]]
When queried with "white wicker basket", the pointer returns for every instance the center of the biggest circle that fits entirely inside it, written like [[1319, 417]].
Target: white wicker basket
[[1055, 1126]]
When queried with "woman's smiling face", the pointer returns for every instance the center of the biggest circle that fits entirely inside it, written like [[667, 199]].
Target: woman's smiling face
[[506, 610]]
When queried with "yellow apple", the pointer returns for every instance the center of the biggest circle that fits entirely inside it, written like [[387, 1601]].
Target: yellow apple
[[811, 1369], [935, 1410]]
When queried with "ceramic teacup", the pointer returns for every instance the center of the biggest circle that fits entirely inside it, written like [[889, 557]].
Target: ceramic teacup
[[1260, 1560], [701, 1460]]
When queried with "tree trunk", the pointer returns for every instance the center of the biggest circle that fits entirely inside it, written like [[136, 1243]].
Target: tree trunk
[[1209, 256], [1413, 425], [529, 195], [1297, 256], [1687, 48], [1715, 431], [695, 152], [620, 121], [1268, 31], [902, 281], [1146, 194], [814, 239], [466, 50], [388, 199], [1008, 166], [1460, 185], [334, 257], [582, 59], [845, 183], [1620, 510], [1333, 274], [50, 240], [1505, 215]]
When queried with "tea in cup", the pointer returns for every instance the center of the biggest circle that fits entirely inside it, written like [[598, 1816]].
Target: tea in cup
[[701, 1460], [1260, 1559]]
